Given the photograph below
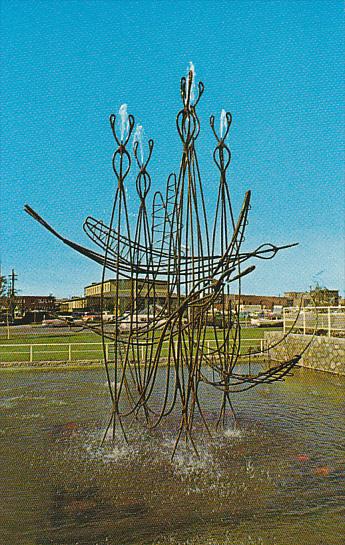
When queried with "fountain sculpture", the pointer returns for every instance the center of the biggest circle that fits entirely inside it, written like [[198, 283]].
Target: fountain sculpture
[[174, 246]]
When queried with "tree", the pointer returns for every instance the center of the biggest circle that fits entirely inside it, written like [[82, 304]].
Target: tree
[[3, 286], [322, 296]]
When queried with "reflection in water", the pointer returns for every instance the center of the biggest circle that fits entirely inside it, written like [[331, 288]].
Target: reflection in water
[[277, 479]]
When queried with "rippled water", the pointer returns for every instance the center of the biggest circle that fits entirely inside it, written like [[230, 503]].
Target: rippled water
[[277, 479]]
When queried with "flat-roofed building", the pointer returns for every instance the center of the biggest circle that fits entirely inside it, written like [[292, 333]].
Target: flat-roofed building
[[127, 290], [26, 303], [319, 297], [76, 304], [257, 302], [125, 287]]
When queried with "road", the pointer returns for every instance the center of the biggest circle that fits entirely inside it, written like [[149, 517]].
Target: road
[[24, 330]]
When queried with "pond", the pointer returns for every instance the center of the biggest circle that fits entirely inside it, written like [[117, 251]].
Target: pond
[[275, 479]]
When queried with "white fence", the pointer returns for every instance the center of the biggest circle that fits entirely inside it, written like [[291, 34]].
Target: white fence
[[88, 351], [329, 321]]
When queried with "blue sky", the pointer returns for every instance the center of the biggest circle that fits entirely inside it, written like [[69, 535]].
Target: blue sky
[[276, 65]]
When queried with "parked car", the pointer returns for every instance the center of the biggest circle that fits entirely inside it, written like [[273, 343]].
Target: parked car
[[55, 322]]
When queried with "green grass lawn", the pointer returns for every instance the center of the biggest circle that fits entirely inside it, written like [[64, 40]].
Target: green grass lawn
[[76, 345], [56, 338]]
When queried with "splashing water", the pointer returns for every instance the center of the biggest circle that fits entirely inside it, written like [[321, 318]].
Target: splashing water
[[191, 68], [223, 123], [233, 433], [124, 121], [250, 469], [139, 137]]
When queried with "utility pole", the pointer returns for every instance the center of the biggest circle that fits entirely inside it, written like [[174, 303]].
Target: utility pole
[[4, 299], [13, 277], [12, 293]]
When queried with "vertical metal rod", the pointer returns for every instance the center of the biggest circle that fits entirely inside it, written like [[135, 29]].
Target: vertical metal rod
[[193, 326]]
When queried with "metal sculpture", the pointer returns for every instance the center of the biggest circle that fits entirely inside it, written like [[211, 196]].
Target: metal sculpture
[[174, 244]]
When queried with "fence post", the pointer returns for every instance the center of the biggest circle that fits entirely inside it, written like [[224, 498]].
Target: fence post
[[31, 353], [284, 318], [303, 321], [142, 353], [107, 351], [69, 352], [208, 347], [329, 321]]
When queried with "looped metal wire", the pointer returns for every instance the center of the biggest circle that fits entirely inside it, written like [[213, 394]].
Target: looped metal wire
[[179, 263], [131, 122], [222, 139]]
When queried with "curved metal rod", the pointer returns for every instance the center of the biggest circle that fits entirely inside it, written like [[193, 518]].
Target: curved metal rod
[[178, 261]]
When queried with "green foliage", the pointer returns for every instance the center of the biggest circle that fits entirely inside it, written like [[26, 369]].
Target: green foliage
[[322, 296], [3, 286]]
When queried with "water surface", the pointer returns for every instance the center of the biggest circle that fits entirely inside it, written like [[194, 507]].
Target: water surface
[[277, 479]]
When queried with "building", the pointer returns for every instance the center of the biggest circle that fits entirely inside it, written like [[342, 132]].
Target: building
[[144, 293], [30, 303], [81, 305], [256, 303], [26, 308], [76, 304], [317, 296], [126, 290]]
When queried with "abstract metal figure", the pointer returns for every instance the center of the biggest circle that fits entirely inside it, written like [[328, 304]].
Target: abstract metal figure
[[173, 241]]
